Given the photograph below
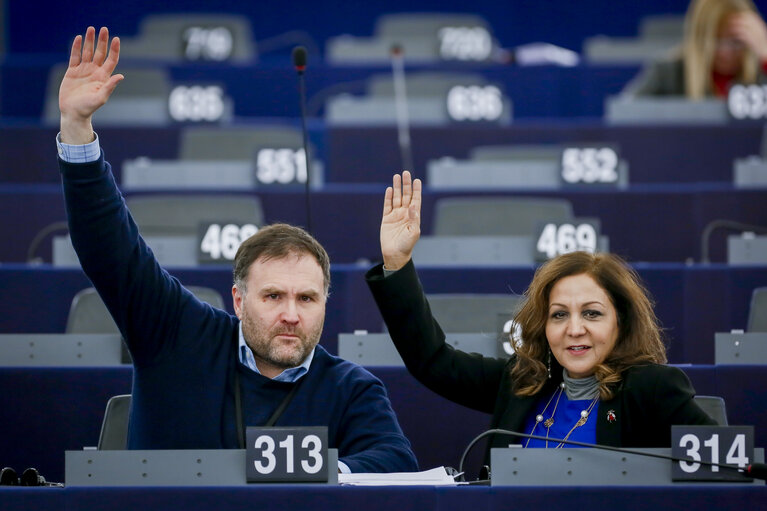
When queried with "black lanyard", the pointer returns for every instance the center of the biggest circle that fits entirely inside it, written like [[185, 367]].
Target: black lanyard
[[238, 407]]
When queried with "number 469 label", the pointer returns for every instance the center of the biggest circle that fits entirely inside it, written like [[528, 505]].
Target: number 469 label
[[287, 454], [563, 237], [707, 447]]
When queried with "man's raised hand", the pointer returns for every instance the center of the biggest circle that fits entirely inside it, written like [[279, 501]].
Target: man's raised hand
[[401, 222], [87, 84]]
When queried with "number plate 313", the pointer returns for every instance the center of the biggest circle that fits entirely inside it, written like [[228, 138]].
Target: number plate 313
[[287, 454]]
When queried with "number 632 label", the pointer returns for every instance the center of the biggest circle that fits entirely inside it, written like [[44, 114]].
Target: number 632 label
[[287, 454], [706, 447]]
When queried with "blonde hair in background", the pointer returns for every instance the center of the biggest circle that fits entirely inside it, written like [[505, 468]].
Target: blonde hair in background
[[701, 27]]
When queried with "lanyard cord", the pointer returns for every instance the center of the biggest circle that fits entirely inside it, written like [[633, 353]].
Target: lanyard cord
[[275, 415]]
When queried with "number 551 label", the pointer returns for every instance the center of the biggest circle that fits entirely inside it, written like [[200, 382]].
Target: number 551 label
[[727, 445], [287, 454]]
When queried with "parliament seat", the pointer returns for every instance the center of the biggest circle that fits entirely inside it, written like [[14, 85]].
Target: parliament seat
[[715, 407], [114, 427], [757, 314], [139, 101], [493, 216], [473, 313], [181, 215], [192, 37], [424, 37], [89, 315]]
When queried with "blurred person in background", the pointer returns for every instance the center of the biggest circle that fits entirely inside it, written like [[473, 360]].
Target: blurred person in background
[[725, 42]]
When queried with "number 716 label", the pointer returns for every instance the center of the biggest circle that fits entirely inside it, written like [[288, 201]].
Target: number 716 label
[[287, 454], [706, 447]]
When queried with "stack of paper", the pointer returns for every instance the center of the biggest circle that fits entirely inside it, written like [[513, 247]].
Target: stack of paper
[[434, 477]]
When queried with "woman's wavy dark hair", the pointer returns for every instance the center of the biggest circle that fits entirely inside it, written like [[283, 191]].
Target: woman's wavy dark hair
[[639, 334]]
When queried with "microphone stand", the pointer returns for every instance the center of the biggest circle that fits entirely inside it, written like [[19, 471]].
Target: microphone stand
[[299, 62], [755, 470]]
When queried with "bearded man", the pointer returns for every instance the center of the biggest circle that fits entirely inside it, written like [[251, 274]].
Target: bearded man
[[202, 375]]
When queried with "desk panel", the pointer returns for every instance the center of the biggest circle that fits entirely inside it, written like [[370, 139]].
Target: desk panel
[[46, 411], [319, 498], [645, 223]]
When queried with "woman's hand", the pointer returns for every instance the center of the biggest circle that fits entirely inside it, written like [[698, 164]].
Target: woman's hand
[[750, 29], [401, 222]]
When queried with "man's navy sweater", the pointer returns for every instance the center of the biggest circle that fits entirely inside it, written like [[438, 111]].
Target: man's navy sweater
[[185, 351]]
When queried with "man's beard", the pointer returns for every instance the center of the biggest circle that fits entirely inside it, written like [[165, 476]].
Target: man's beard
[[266, 347]]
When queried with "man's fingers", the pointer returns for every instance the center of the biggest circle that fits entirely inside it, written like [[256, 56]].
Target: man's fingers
[[109, 87], [415, 202], [74, 55], [101, 46], [407, 188], [387, 200], [90, 38], [397, 193], [114, 55]]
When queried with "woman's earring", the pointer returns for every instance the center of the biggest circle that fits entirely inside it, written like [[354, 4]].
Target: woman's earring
[[548, 364]]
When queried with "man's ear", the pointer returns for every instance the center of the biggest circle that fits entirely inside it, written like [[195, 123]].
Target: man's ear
[[237, 300]]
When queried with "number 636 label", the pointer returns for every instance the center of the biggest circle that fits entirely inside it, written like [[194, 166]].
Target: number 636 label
[[287, 454], [706, 445]]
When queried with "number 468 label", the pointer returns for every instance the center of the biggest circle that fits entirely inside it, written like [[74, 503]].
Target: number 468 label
[[287, 454], [707, 447]]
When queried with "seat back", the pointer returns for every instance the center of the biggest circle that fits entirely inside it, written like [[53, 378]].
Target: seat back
[[472, 313], [487, 216], [236, 142], [422, 24], [142, 99], [715, 408], [757, 313], [114, 427], [89, 315], [191, 36], [181, 215]]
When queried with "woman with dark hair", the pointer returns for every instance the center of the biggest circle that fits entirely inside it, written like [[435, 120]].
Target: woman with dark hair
[[590, 362]]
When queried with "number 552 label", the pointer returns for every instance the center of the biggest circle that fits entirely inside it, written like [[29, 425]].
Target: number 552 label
[[287, 454], [706, 447]]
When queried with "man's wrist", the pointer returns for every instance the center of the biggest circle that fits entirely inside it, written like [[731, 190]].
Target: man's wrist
[[78, 153], [76, 132]]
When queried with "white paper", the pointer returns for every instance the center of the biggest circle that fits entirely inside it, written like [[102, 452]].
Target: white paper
[[434, 477]]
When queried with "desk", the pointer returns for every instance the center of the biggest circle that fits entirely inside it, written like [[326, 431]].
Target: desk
[[420, 498], [46, 411]]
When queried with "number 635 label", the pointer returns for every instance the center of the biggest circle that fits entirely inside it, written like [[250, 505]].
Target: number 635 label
[[287, 454], [706, 445]]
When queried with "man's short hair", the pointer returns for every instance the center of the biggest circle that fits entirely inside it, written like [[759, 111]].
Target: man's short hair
[[276, 242]]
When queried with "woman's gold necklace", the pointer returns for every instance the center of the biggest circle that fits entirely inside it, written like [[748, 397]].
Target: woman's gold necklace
[[550, 421]]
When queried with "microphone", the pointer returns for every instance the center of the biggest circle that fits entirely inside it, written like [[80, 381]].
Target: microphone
[[299, 59], [299, 62], [400, 107], [754, 470]]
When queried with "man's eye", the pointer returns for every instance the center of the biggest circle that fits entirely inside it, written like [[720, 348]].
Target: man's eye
[[306, 298], [272, 296]]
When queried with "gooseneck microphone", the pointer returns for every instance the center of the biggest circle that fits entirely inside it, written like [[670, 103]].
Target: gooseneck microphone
[[400, 107], [299, 63], [754, 470]]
